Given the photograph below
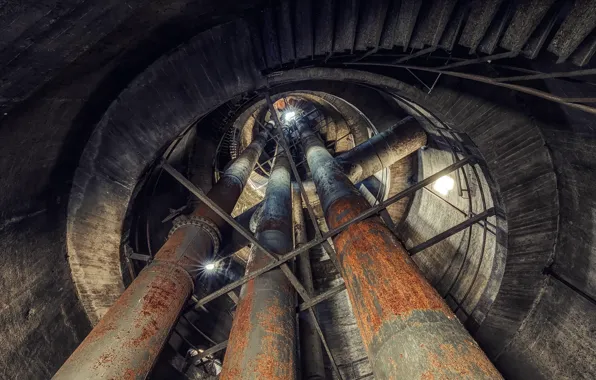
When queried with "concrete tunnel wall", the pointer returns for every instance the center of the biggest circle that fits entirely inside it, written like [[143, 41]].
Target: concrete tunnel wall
[[41, 307]]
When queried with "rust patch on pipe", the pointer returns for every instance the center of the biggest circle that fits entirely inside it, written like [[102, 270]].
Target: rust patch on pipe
[[130, 336], [382, 280], [385, 286], [239, 335]]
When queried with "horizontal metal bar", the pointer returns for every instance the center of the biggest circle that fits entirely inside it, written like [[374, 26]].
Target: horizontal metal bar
[[487, 80], [140, 257], [210, 351], [334, 142], [486, 222], [452, 231], [580, 100], [487, 58], [322, 297], [550, 272], [568, 74], [417, 54], [313, 243]]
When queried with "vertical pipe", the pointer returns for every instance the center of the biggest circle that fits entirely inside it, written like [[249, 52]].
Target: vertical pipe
[[262, 340], [313, 367], [128, 339], [408, 330]]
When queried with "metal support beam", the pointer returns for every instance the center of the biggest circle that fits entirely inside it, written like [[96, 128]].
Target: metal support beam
[[565, 74], [452, 231], [127, 340], [488, 58], [313, 367], [322, 297], [407, 328], [210, 351], [262, 340]]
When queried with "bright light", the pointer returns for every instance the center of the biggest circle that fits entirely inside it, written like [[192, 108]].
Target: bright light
[[290, 115], [210, 266], [444, 184]]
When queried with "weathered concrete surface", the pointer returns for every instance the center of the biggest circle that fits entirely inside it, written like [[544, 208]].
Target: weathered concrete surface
[[558, 339], [161, 108], [62, 65], [42, 320]]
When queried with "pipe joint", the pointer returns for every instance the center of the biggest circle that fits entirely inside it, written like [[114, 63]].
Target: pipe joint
[[202, 223]]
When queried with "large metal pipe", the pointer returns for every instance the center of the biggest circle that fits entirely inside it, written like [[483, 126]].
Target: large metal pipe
[[262, 340], [382, 150], [311, 352], [379, 152], [407, 328], [127, 340]]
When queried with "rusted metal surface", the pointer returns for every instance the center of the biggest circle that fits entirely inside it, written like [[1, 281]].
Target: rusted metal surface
[[311, 353], [262, 340], [382, 150], [126, 341], [407, 328], [227, 190], [129, 338]]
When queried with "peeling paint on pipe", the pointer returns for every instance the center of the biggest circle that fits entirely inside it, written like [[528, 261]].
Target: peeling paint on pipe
[[408, 330], [128, 339], [262, 340]]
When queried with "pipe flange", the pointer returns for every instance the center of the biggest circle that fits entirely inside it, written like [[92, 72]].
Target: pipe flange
[[203, 223]]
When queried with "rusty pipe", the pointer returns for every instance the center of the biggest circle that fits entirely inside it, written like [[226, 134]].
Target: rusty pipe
[[228, 189], [361, 162], [128, 339], [311, 353], [408, 330], [382, 150], [262, 340]]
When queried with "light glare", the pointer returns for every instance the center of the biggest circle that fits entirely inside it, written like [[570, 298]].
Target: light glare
[[444, 184], [290, 115], [210, 266]]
